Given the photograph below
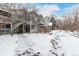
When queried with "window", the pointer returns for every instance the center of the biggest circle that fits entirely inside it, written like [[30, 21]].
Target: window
[[33, 27]]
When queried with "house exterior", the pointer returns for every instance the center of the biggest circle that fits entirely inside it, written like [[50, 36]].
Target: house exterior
[[4, 22], [21, 21], [38, 24]]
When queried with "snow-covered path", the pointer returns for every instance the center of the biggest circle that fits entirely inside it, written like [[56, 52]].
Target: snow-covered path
[[28, 44], [38, 43], [58, 43]]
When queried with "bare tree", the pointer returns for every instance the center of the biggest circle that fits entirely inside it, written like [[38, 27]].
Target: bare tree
[[70, 21]]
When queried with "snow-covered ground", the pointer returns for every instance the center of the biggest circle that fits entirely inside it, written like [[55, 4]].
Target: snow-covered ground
[[7, 45], [55, 43]]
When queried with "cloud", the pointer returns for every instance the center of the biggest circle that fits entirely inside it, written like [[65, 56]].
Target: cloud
[[67, 10], [47, 10], [70, 9]]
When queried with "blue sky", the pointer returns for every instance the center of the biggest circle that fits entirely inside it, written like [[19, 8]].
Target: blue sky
[[54, 8]]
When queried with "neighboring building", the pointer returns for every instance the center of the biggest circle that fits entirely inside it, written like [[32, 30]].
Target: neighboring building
[[45, 24]]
